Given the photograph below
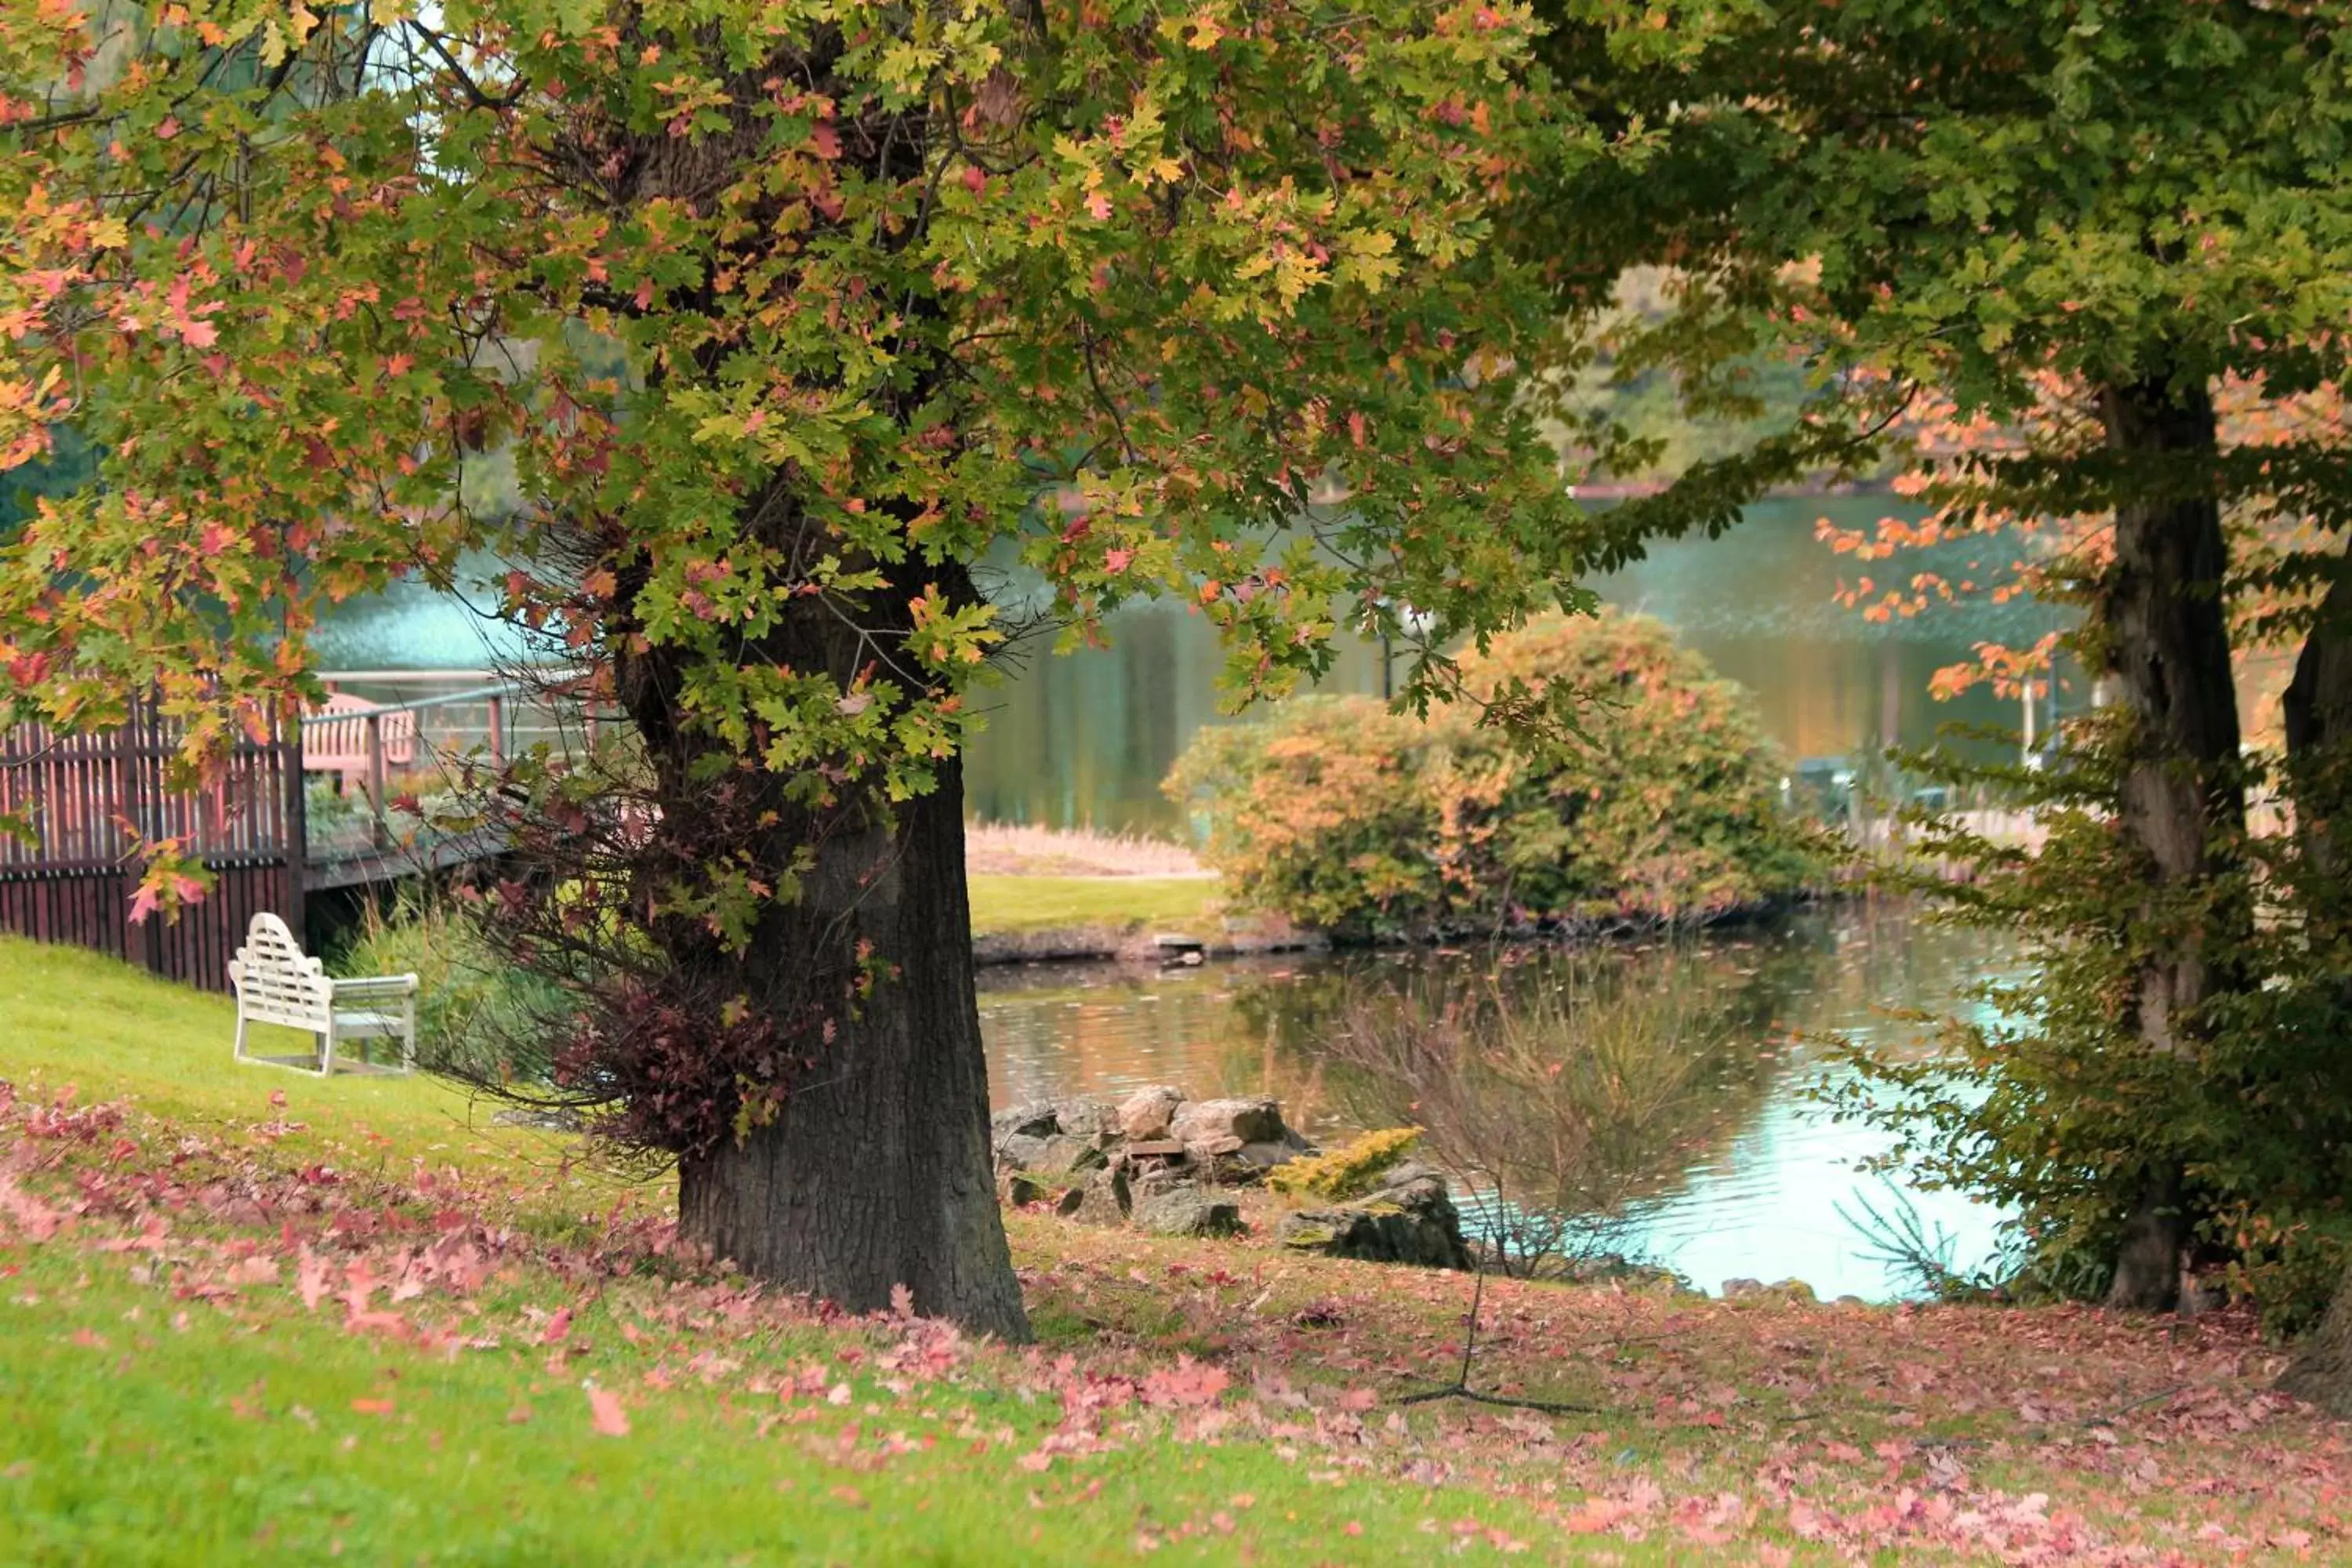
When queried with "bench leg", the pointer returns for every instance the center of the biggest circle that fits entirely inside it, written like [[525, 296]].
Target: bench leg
[[408, 1036], [240, 1034], [327, 1051]]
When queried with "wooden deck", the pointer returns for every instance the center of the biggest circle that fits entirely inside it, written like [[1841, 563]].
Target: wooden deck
[[93, 803]]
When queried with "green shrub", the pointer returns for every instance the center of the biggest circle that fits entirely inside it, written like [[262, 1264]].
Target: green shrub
[[1345, 1171], [1345, 816], [476, 1014]]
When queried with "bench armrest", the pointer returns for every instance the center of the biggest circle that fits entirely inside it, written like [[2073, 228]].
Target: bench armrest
[[375, 987]]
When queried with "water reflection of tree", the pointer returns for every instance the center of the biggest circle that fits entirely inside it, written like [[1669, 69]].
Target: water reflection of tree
[[1571, 1083]]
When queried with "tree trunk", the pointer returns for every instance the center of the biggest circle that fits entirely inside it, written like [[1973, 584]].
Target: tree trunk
[[872, 1168], [876, 1171], [2318, 714], [2183, 801]]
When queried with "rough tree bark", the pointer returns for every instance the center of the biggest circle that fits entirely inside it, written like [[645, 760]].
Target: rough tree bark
[[876, 1170], [2318, 714], [2183, 800]]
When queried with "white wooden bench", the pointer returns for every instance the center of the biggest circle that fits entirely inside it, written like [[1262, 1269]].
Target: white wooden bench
[[277, 985]]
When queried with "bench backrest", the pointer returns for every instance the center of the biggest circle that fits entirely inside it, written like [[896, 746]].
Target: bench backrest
[[335, 736], [276, 983]]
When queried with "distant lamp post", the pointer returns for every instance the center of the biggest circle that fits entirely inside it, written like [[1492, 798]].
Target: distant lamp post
[[1417, 622]]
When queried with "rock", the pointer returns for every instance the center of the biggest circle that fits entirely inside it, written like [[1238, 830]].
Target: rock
[[1733, 1289], [1188, 1211], [1267, 1155], [1025, 1122], [1779, 1290], [1849, 1301], [1096, 1121], [1156, 1149], [1150, 1178], [1205, 1122], [1413, 1222], [1019, 1190], [1145, 1114], [1107, 1198], [1231, 1164], [1065, 1156], [1022, 1151]]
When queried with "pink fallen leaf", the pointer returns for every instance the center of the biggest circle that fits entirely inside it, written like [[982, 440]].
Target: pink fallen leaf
[[36, 1219], [559, 1328], [605, 1413], [1188, 1382], [310, 1279]]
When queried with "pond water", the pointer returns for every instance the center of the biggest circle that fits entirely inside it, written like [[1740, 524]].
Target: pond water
[[1085, 739], [1668, 1085]]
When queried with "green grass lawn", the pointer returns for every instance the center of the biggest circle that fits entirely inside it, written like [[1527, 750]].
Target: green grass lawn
[[357, 1323], [72, 1018], [1004, 904]]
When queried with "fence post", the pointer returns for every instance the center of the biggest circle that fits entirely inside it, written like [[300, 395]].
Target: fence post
[[295, 833], [376, 777]]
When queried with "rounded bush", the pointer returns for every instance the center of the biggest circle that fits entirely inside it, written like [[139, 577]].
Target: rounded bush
[[1344, 817]]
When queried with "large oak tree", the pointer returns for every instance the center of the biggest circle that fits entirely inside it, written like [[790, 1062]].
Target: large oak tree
[[787, 314]]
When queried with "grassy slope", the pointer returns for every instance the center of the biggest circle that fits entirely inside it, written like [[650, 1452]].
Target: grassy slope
[[167, 1393]]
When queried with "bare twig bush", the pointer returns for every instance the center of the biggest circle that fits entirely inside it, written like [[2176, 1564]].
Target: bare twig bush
[[1555, 1098]]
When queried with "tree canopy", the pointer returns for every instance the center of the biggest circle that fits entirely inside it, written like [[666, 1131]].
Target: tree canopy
[[785, 315]]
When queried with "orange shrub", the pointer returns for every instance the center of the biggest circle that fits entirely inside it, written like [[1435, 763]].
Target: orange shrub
[[1345, 816]]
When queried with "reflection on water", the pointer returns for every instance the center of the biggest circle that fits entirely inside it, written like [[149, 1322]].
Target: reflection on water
[[1680, 1094], [1085, 739]]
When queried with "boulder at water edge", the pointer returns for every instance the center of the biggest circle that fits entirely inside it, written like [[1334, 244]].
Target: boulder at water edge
[[1410, 1218], [1223, 1125], [1188, 1211]]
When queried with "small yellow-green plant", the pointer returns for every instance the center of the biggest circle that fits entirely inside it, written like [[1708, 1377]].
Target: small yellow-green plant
[[1347, 1171]]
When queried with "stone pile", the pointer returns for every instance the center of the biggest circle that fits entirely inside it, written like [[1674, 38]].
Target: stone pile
[[1166, 1163], [1154, 1158]]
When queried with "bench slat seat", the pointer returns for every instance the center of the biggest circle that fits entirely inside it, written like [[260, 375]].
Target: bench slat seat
[[276, 983]]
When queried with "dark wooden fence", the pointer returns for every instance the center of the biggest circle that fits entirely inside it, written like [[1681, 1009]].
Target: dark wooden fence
[[93, 797]]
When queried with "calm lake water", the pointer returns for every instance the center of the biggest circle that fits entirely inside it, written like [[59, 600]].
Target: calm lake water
[[1085, 739], [1667, 1083]]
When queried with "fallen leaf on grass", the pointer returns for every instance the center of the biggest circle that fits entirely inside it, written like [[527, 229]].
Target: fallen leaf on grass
[[1188, 1382], [605, 1412]]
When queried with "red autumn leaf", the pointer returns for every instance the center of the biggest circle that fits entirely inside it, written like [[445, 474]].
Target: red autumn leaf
[[559, 1328]]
